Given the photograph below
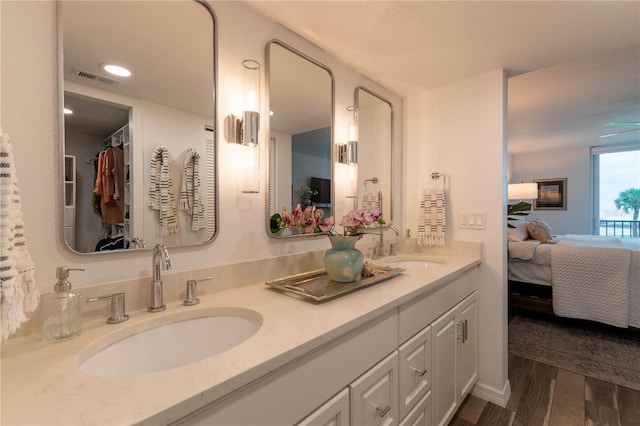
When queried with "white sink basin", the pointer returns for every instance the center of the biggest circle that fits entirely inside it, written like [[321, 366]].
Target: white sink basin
[[169, 342], [416, 263]]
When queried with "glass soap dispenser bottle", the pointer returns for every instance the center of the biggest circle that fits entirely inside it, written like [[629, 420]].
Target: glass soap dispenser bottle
[[62, 309], [406, 243]]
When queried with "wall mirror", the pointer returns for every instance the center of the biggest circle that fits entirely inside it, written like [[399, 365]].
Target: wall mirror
[[139, 152], [301, 99], [375, 153]]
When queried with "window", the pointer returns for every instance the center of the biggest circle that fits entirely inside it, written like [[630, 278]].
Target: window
[[615, 169]]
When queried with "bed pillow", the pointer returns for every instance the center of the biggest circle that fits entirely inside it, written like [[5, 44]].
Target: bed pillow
[[540, 230], [518, 232]]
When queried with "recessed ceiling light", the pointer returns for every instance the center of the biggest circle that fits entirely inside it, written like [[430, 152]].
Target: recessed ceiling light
[[67, 111], [116, 70]]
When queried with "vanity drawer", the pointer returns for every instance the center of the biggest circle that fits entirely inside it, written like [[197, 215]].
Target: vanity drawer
[[417, 314], [422, 413], [374, 396], [414, 372]]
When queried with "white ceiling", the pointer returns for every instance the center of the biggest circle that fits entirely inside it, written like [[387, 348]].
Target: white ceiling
[[412, 46]]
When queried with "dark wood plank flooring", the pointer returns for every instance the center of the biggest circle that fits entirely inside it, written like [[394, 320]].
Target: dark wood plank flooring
[[546, 395]]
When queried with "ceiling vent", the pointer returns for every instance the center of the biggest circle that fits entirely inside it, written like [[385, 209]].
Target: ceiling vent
[[94, 77]]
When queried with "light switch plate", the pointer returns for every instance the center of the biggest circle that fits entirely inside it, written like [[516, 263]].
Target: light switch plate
[[472, 220]]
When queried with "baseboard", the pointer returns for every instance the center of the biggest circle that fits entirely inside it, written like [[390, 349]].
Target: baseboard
[[498, 397]]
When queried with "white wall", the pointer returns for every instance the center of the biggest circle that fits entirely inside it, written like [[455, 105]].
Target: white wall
[[573, 164], [458, 131], [29, 115]]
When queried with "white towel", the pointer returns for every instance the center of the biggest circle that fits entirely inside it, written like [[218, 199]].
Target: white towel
[[190, 200], [160, 195], [17, 274], [432, 218]]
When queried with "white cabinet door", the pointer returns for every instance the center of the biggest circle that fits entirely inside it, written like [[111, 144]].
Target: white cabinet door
[[414, 370], [374, 396], [444, 331], [334, 412], [421, 415], [467, 347]]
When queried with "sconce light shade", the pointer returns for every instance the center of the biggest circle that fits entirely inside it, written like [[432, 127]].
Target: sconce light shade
[[352, 117], [245, 131], [251, 119], [522, 191], [348, 152]]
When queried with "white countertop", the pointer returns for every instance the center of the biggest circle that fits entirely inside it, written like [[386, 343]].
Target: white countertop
[[41, 383]]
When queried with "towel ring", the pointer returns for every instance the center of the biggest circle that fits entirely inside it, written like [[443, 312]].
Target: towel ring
[[437, 176]]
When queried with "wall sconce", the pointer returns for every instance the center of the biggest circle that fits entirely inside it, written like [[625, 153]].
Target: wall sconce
[[245, 130], [348, 152]]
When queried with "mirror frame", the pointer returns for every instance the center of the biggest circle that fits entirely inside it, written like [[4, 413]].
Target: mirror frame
[[61, 136], [356, 102], [268, 133]]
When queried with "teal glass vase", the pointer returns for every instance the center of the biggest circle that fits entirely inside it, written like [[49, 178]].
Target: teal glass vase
[[343, 261]]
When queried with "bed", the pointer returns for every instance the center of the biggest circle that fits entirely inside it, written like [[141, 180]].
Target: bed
[[576, 276]]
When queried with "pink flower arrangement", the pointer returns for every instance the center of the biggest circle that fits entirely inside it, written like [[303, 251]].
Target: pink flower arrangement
[[311, 220], [358, 219], [307, 221]]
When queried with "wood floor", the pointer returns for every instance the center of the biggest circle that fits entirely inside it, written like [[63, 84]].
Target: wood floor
[[546, 395]]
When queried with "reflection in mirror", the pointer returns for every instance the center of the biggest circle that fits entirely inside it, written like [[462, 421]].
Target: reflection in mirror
[[300, 134], [375, 159], [116, 178]]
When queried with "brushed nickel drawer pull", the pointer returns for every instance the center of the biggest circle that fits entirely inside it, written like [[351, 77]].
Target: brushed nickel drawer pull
[[419, 372], [383, 411], [465, 328]]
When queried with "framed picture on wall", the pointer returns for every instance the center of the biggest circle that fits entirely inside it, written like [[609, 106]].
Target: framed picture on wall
[[552, 194]]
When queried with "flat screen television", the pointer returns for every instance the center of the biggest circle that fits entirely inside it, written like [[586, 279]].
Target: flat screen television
[[323, 186]]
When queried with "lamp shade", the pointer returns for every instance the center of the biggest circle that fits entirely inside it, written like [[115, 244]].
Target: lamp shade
[[522, 191]]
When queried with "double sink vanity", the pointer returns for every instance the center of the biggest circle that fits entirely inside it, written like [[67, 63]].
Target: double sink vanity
[[398, 351]]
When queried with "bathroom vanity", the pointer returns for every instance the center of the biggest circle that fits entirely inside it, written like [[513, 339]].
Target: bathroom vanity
[[403, 351]]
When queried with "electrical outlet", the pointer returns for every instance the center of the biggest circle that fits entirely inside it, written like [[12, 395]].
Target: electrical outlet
[[472, 220]]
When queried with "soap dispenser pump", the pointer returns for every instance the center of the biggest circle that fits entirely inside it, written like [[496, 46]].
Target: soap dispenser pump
[[62, 309]]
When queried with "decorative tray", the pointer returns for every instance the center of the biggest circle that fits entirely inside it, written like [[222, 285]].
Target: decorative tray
[[316, 285]]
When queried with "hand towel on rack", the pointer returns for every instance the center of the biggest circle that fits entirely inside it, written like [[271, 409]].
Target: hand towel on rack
[[372, 199], [432, 218], [161, 197], [190, 200], [17, 274]]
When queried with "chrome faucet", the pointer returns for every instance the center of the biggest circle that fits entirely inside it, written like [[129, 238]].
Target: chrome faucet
[[378, 250], [160, 261]]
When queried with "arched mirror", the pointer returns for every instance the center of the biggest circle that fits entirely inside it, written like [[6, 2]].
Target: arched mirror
[[375, 153], [139, 151], [300, 92]]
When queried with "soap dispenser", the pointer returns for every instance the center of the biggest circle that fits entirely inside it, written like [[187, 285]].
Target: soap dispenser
[[407, 244], [62, 309]]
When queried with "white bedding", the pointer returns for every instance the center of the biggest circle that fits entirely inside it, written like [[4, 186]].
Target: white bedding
[[531, 250], [590, 277], [594, 278]]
